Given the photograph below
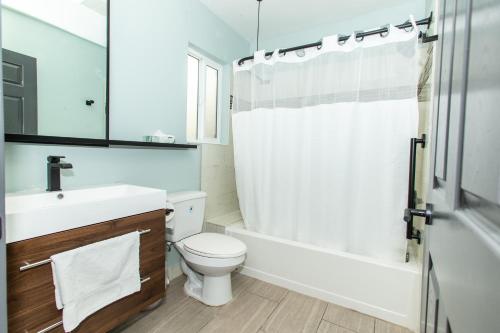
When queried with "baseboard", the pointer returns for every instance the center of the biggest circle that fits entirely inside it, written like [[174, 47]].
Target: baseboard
[[378, 312]]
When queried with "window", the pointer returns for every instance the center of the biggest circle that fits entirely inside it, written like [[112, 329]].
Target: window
[[203, 98]]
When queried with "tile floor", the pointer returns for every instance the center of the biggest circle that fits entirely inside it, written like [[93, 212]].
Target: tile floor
[[257, 307]]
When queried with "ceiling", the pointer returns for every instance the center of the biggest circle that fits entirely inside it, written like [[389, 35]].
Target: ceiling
[[286, 16]]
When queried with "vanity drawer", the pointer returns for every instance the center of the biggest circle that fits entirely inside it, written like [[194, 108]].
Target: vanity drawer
[[31, 303]]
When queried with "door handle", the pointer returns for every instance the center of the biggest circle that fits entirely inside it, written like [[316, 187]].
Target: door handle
[[425, 213], [411, 233]]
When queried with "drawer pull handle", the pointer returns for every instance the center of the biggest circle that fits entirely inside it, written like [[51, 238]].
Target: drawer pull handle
[[33, 265], [50, 328], [28, 265], [59, 323]]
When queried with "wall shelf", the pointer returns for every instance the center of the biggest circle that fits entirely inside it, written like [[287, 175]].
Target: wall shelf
[[122, 143], [55, 140], [68, 141]]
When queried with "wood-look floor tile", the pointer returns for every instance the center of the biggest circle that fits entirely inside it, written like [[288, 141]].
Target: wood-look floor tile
[[327, 327], [240, 283], [353, 320], [296, 313], [245, 314], [267, 290], [385, 327], [188, 316], [147, 319], [254, 308], [178, 313]]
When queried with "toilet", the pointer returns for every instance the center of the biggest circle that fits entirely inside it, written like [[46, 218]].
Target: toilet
[[207, 258]]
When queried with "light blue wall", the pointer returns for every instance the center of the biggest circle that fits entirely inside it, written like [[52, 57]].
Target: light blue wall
[[172, 170], [148, 79], [393, 15], [70, 70], [151, 76]]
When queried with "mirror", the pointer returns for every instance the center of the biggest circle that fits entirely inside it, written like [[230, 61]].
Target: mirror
[[55, 67]]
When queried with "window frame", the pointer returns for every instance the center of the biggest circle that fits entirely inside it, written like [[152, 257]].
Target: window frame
[[203, 62]]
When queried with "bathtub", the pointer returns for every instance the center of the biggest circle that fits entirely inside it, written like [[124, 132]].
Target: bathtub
[[384, 290]]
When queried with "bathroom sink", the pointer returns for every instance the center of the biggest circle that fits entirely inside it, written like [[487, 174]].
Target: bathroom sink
[[31, 215]]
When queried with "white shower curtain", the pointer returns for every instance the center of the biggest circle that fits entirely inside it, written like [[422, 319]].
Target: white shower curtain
[[321, 142]]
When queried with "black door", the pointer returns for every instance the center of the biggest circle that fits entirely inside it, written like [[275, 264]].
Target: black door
[[20, 93], [461, 285]]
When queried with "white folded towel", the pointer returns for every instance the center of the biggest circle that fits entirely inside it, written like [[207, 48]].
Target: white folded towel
[[91, 277]]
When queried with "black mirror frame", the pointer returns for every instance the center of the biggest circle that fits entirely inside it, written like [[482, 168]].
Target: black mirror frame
[[74, 141], [106, 142]]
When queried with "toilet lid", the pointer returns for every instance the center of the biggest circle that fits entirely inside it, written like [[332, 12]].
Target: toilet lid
[[213, 245]]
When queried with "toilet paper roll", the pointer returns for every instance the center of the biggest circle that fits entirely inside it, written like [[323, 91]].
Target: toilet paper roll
[[170, 216]]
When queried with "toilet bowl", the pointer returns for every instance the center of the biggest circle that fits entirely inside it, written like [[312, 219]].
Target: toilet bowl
[[206, 258]]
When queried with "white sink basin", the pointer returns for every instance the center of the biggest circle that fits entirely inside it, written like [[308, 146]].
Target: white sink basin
[[38, 214]]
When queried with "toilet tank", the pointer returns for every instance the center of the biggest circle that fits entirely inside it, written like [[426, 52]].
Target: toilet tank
[[188, 216]]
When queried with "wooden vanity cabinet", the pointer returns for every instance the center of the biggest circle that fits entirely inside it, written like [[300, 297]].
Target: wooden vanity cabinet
[[30, 293]]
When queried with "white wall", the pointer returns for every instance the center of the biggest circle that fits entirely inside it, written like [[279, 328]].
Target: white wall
[[394, 15], [66, 15]]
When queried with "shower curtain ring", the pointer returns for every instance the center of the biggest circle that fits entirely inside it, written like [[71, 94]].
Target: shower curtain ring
[[342, 42], [410, 29], [358, 36], [300, 53], [385, 33]]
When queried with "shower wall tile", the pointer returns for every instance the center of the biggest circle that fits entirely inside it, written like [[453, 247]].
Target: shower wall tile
[[426, 83], [218, 179]]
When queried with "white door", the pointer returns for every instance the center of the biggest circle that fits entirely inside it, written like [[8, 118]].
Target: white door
[[461, 284]]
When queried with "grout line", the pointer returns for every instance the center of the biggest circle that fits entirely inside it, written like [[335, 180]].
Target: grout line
[[208, 322], [272, 312], [326, 308], [346, 328], [269, 316], [266, 297], [342, 327], [321, 319]]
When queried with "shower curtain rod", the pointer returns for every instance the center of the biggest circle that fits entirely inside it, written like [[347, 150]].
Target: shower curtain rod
[[425, 39]]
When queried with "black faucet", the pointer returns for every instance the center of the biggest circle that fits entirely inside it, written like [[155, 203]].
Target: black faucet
[[54, 167]]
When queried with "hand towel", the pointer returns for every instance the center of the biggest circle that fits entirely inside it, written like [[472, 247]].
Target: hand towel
[[91, 277]]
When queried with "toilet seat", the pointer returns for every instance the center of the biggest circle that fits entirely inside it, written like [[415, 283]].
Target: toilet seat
[[214, 245]]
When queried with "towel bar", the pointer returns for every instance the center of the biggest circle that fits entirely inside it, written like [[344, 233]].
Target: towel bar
[[27, 265], [59, 323]]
